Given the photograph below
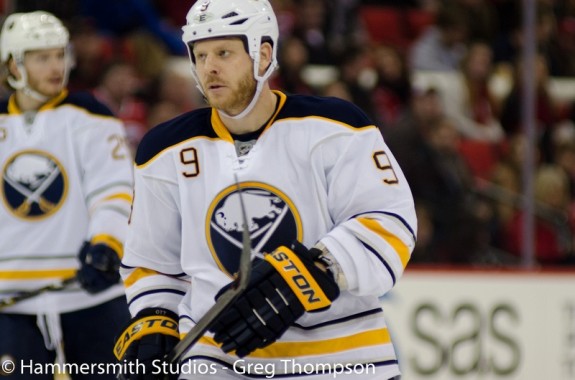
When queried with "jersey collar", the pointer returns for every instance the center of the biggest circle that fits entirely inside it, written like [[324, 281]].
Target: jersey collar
[[52, 103], [223, 132]]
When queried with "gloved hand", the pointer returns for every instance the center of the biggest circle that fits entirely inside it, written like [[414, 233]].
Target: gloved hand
[[99, 268], [282, 286], [149, 337]]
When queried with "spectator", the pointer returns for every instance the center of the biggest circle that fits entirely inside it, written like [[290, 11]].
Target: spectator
[[118, 89], [553, 229], [546, 113], [122, 18], [566, 161], [337, 89], [508, 46], [93, 52], [482, 17], [175, 86], [311, 27], [292, 57], [359, 76], [425, 143], [471, 104], [161, 111], [407, 135], [392, 94], [442, 45]]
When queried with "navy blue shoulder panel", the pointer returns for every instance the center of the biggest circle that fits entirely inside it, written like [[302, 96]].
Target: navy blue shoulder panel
[[87, 101], [298, 106], [191, 124], [4, 106]]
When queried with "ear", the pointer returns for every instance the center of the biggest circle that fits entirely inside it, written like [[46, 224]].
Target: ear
[[13, 69], [266, 52]]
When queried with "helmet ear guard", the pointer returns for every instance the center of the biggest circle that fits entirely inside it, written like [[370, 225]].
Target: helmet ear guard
[[252, 20]]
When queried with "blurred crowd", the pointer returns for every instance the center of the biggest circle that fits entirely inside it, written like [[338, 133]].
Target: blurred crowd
[[441, 78]]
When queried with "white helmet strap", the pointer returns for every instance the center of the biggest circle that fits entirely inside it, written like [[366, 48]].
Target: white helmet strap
[[260, 80], [22, 84], [248, 109]]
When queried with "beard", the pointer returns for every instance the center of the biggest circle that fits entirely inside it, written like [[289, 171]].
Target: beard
[[240, 97]]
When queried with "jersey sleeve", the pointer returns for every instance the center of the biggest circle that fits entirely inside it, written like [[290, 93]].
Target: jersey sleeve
[[372, 208], [151, 269], [106, 169]]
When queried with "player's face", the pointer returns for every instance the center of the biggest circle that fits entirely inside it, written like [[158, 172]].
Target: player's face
[[225, 72], [46, 70]]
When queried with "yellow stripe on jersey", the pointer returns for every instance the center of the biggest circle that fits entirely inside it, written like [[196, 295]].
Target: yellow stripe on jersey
[[124, 196], [399, 246], [332, 121], [320, 347], [137, 275], [40, 274], [110, 241], [149, 162]]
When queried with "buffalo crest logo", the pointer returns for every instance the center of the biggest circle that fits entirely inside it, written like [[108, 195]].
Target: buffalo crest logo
[[33, 184], [271, 217]]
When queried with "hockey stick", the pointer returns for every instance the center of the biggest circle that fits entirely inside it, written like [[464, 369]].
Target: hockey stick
[[243, 277], [61, 285]]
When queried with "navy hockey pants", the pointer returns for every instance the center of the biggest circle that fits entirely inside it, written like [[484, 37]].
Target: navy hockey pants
[[88, 337]]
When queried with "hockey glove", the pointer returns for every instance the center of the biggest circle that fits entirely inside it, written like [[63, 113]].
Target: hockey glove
[[149, 337], [99, 268], [284, 285]]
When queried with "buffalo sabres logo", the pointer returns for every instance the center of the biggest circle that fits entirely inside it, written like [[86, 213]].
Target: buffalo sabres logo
[[33, 184], [271, 217]]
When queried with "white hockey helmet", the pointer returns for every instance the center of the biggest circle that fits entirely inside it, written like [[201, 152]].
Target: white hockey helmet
[[253, 20], [22, 32]]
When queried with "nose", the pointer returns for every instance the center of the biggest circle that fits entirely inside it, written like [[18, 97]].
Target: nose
[[211, 65], [57, 64]]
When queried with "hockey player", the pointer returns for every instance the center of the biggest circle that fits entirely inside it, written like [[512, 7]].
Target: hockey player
[[329, 212], [66, 190]]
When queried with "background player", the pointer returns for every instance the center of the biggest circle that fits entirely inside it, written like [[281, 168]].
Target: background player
[[312, 170], [66, 179]]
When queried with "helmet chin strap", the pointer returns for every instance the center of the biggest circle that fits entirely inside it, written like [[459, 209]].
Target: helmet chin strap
[[250, 106], [22, 84], [260, 79]]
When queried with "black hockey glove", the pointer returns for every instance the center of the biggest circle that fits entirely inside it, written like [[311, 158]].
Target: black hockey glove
[[284, 285], [147, 339], [99, 268]]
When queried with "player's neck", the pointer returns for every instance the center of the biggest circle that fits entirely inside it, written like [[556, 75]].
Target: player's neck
[[27, 103], [262, 111]]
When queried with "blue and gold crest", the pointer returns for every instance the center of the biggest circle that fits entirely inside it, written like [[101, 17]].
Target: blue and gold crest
[[34, 184], [272, 221]]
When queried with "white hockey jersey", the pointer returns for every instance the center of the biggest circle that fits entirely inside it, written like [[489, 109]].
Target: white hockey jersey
[[67, 177], [319, 171]]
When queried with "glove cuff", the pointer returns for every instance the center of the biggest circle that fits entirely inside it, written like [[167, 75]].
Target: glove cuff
[[110, 242], [147, 321], [303, 283]]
